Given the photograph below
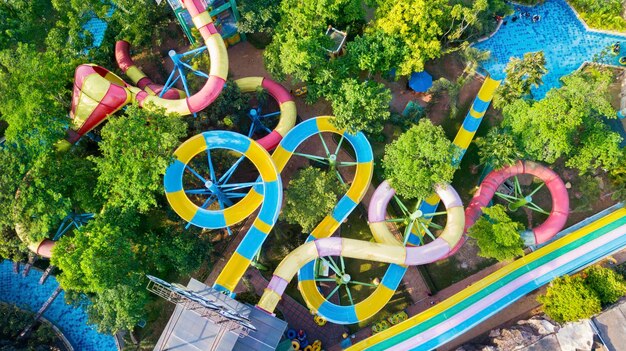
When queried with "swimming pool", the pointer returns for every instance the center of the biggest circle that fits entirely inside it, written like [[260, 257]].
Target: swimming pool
[[559, 33], [28, 294]]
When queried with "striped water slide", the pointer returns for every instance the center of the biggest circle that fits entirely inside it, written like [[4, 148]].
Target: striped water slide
[[468, 308], [462, 140], [269, 197]]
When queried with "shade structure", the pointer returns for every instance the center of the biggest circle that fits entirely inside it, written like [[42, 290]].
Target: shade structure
[[420, 81]]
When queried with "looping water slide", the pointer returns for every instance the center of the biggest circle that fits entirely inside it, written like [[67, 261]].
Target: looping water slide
[[99, 93]]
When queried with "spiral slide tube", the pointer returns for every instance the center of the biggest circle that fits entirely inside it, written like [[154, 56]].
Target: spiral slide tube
[[217, 74], [271, 188], [461, 312], [396, 254], [239, 262], [463, 139], [285, 101], [128, 66]]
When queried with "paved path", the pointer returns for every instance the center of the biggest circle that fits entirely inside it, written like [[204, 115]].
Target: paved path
[[298, 316]]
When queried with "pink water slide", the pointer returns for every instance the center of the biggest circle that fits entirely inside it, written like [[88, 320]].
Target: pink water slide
[[560, 200]]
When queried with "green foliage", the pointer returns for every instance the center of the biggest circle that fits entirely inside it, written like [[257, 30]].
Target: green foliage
[[602, 14], [617, 176], [119, 308], [310, 196], [230, 102], [14, 167], [136, 21], [600, 148], [64, 180], [375, 52], [297, 48], [258, 16], [419, 159], [361, 106], [108, 258], [608, 285], [136, 149], [551, 128], [14, 321], [35, 87], [24, 21], [497, 235], [576, 297], [521, 75], [419, 25], [11, 247], [569, 299], [498, 149]]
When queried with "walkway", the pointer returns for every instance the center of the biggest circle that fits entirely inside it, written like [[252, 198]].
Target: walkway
[[298, 316]]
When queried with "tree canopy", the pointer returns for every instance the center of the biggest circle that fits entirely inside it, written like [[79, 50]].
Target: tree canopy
[[568, 299], [419, 159], [258, 16], [497, 235], [521, 75], [552, 127], [361, 106], [498, 149], [109, 257], [310, 196], [581, 296], [136, 149]]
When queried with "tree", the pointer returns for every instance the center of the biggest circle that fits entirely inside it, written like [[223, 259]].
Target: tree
[[258, 16], [419, 159], [35, 90], [119, 308], [521, 75], [361, 106], [375, 52], [568, 299], [108, 258], [310, 196], [419, 25], [599, 149], [606, 283], [65, 180], [23, 21], [11, 247], [550, 128], [299, 42], [617, 176], [498, 149], [136, 150], [497, 235]]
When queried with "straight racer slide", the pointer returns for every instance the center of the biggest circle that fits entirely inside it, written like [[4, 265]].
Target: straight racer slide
[[458, 314]]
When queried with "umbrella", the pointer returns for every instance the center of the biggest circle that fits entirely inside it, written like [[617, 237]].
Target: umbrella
[[420, 81]]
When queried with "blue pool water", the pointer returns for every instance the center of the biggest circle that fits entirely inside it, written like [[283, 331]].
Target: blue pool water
[[28, 294], [559, 33]]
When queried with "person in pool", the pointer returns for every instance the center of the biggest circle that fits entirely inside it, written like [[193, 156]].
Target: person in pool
[[536, 18], [616, 48]]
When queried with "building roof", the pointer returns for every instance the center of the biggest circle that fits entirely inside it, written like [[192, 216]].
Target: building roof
[[188, 330]]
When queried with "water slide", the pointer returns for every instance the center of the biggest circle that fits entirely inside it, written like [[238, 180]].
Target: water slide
[[269, 200], [463, 139], [99, 93], [458, 314], [560, 201], [348, 314]]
